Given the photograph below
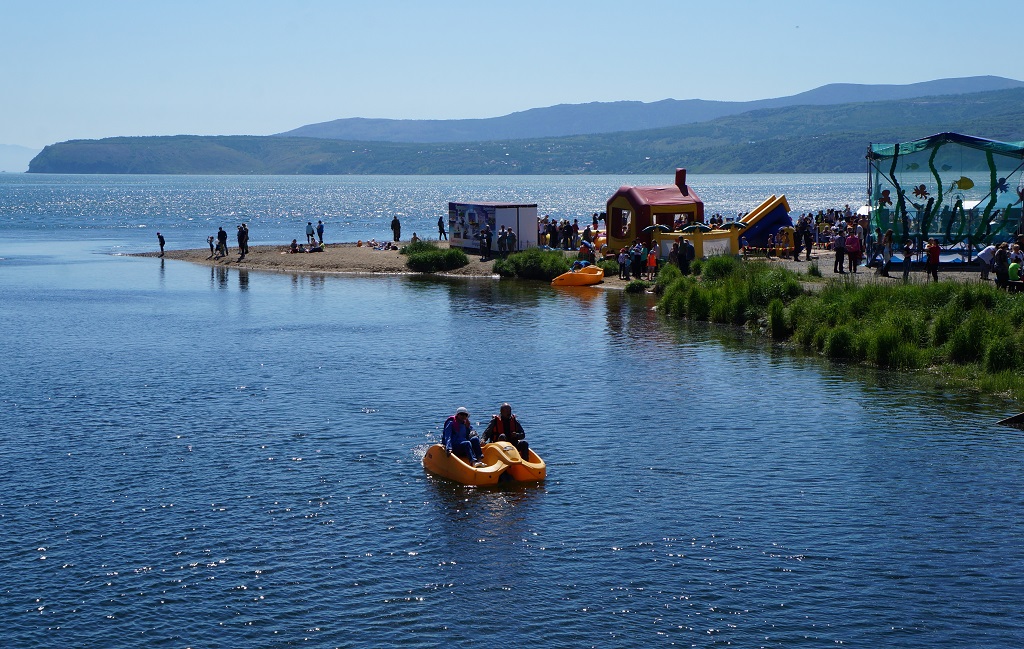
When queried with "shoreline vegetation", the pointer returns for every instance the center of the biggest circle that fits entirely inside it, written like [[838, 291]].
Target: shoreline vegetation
[[961, 331]]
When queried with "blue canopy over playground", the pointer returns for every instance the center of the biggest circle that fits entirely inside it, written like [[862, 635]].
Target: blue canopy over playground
[[964, 191]]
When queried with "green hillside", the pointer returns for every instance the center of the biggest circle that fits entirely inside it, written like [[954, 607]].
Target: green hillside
[[784, 140]]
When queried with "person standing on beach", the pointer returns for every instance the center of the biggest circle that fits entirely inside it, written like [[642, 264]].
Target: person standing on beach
[[1001, 264], [839, 245], [245, 239], [931, 266], [320, 231], [309, 232], [209, 240], [686, 255], [240, 238], [883, 270], [160, 240], [485, 243], [502, 242], [441, 234], [852, 251], [908, 258], [876, 248], [808, 237], [396, 228], [985, 258], [222, 241], [652, 262]]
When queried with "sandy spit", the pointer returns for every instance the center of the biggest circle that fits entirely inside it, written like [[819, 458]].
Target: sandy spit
[[336, 258]]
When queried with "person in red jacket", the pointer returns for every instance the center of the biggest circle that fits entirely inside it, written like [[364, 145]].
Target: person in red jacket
[[932, 261], [504, 427]]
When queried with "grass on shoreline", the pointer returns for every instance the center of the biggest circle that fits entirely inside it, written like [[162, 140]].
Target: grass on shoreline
[[533, 263], [426, 257], [968, 333]]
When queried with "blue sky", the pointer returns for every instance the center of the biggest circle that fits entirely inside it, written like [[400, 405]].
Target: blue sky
[[104, 68]]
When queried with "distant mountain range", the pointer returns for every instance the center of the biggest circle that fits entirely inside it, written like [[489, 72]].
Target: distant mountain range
[[815, 136], [587, 119], [15, 158]]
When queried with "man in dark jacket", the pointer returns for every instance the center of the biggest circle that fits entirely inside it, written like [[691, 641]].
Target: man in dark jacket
[[504, 427], [222, 241]]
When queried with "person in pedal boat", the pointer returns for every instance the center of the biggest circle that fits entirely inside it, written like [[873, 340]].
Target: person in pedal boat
[[459, 437], [504, 427]]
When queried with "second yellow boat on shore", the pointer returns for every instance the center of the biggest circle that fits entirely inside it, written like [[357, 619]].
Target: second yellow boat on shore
[[583, 277]]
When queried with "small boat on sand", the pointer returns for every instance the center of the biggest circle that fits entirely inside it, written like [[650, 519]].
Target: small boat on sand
[[502, 463], [583, 277]]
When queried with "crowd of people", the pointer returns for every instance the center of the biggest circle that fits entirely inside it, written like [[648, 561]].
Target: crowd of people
[[377, 245], [640, 260], [459, 437], [1004, 260], [848, 236], [314, 240], [506, 240], [219, 243], [839, 230], [565, 235], [297, 247]]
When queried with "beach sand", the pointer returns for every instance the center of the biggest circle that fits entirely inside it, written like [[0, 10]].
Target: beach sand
[[336, 258]]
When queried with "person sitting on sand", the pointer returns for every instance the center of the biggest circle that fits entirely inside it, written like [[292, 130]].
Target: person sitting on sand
[[294, 247], [316, 247]]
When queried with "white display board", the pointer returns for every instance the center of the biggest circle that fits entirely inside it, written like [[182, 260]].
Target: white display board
[[467, 220]]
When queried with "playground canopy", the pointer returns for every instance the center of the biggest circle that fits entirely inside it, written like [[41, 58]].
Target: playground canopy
[[964, 191]]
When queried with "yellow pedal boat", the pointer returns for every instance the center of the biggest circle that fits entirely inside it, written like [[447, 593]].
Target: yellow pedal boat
[[502, 464], [583, 277]]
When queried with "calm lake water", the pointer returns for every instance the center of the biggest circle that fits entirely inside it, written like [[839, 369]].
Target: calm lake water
[[198, 457]]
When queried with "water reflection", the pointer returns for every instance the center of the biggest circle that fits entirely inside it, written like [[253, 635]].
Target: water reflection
[[581, 293], [300, 281], [473, 515], [219, 277]]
